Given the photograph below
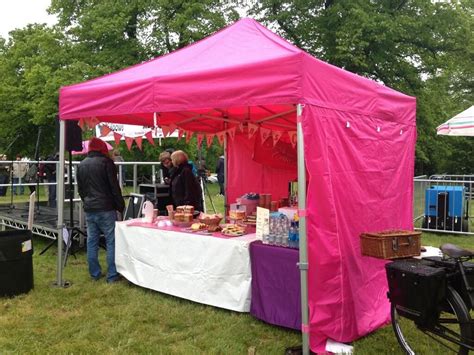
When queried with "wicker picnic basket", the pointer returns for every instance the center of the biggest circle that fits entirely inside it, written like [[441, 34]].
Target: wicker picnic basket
[[392, 244]]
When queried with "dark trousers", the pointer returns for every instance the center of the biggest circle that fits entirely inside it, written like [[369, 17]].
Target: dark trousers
[[3, 189]]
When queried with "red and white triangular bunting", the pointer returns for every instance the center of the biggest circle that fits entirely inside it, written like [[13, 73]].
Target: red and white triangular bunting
[[172, 128], [138, 141], [293, 138], [276, 135], [264, 134], [165, 130], [209, 138], [180, 134], [105, 130], [200, 137], [253, 128], [241, 127], [117, 138], [149, 137], [231, 132], [221, 137], [189, 135], [93, 121], [82, 124], [129, 142]]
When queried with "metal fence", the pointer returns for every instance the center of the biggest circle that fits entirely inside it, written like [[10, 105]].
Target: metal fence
[[444, 203], [128, 174]]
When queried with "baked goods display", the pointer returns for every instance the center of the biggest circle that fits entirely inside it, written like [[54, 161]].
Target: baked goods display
[[210, 219], [198, 226], [237, 214], [233, 230]]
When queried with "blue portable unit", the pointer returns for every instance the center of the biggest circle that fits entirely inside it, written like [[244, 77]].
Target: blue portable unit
[[455, 201], [445, 207]]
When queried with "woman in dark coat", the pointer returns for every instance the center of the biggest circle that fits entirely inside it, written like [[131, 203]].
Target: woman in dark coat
[[185, 188]]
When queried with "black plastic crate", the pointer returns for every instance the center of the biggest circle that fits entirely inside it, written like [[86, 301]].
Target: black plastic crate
[[417, 290]]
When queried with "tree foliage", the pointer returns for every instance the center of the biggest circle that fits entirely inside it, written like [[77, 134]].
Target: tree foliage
[[422, 48]]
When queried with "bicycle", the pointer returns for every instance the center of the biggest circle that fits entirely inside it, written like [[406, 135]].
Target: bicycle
[[431, 299]]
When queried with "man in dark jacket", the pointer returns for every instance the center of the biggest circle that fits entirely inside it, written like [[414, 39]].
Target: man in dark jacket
[[220, 170], [102, 198]]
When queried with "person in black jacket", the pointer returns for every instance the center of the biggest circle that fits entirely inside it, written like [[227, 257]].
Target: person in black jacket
[[102, 199], [185, 189], [220, 170]]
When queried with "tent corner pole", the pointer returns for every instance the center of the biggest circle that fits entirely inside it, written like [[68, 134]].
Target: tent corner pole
[[60, 204], [303, 245]]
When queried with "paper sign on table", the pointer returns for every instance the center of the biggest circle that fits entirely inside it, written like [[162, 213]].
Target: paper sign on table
[[263, 222]]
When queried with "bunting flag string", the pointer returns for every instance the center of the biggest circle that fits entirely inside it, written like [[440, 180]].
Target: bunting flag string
[[231, 132], [117, 138], [293, 138], [149, 137], [165, 130], [189, 135], [82, 124], [221, 137], [200, 137], [129, 142], [105, 130], [241, 127], [93, 121], [276, 135], [138, 141], [209, 138], [264, 134], [172, 127], [253, 128], [180, 134]]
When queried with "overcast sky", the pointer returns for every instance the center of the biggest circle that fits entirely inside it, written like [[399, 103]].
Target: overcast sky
[[19, 13]]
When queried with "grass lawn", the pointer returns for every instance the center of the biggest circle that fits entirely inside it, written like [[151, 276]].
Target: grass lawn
[[94, 317]]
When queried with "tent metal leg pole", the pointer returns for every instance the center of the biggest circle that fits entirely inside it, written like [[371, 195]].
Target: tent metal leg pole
[[225, 175], [303, 263], [60, 204]]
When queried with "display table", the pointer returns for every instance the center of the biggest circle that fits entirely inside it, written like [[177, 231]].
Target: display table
[[205, 269], [276, 291]]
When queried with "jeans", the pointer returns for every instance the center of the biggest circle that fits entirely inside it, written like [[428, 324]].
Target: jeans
[[22, 188], [3, 189], [98, 222]]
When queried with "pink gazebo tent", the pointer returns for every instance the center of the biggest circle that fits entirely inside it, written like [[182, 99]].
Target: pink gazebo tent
[[355, 147]]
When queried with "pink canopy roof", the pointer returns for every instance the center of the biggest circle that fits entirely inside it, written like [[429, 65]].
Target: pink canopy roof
[[242, 65], [359, 139]]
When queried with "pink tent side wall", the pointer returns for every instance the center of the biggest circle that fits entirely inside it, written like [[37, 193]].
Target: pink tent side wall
[[360, 180]]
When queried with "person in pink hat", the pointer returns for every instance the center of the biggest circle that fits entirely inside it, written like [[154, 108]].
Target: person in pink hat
[[102, 199]]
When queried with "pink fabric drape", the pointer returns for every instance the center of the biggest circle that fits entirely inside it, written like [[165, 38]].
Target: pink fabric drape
[[361, 179]]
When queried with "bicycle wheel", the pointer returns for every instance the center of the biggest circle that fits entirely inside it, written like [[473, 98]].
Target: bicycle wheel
[[454, 322]]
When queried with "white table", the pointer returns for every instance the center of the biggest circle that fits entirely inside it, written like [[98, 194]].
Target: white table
[[200, 268]]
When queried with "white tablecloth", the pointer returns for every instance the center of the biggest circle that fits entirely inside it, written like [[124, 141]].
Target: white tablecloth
[[204, 269]]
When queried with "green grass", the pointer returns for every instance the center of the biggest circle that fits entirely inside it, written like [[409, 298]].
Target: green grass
[[94, 317]]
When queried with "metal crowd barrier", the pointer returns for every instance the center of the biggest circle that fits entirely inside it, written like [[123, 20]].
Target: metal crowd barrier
[[121, 168], [444, 203]]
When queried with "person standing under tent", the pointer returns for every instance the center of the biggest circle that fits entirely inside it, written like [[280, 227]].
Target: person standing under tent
[[102, 198], [166, 166], [18, 174], [185, 188], [220, 171]]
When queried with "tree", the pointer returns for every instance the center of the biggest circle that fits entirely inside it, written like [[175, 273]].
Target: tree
[[409, 45]]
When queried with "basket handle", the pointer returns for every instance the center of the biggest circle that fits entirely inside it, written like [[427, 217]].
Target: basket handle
[[396, 244]]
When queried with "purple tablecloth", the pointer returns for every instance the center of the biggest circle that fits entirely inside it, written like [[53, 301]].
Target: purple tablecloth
[[276, 291]]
